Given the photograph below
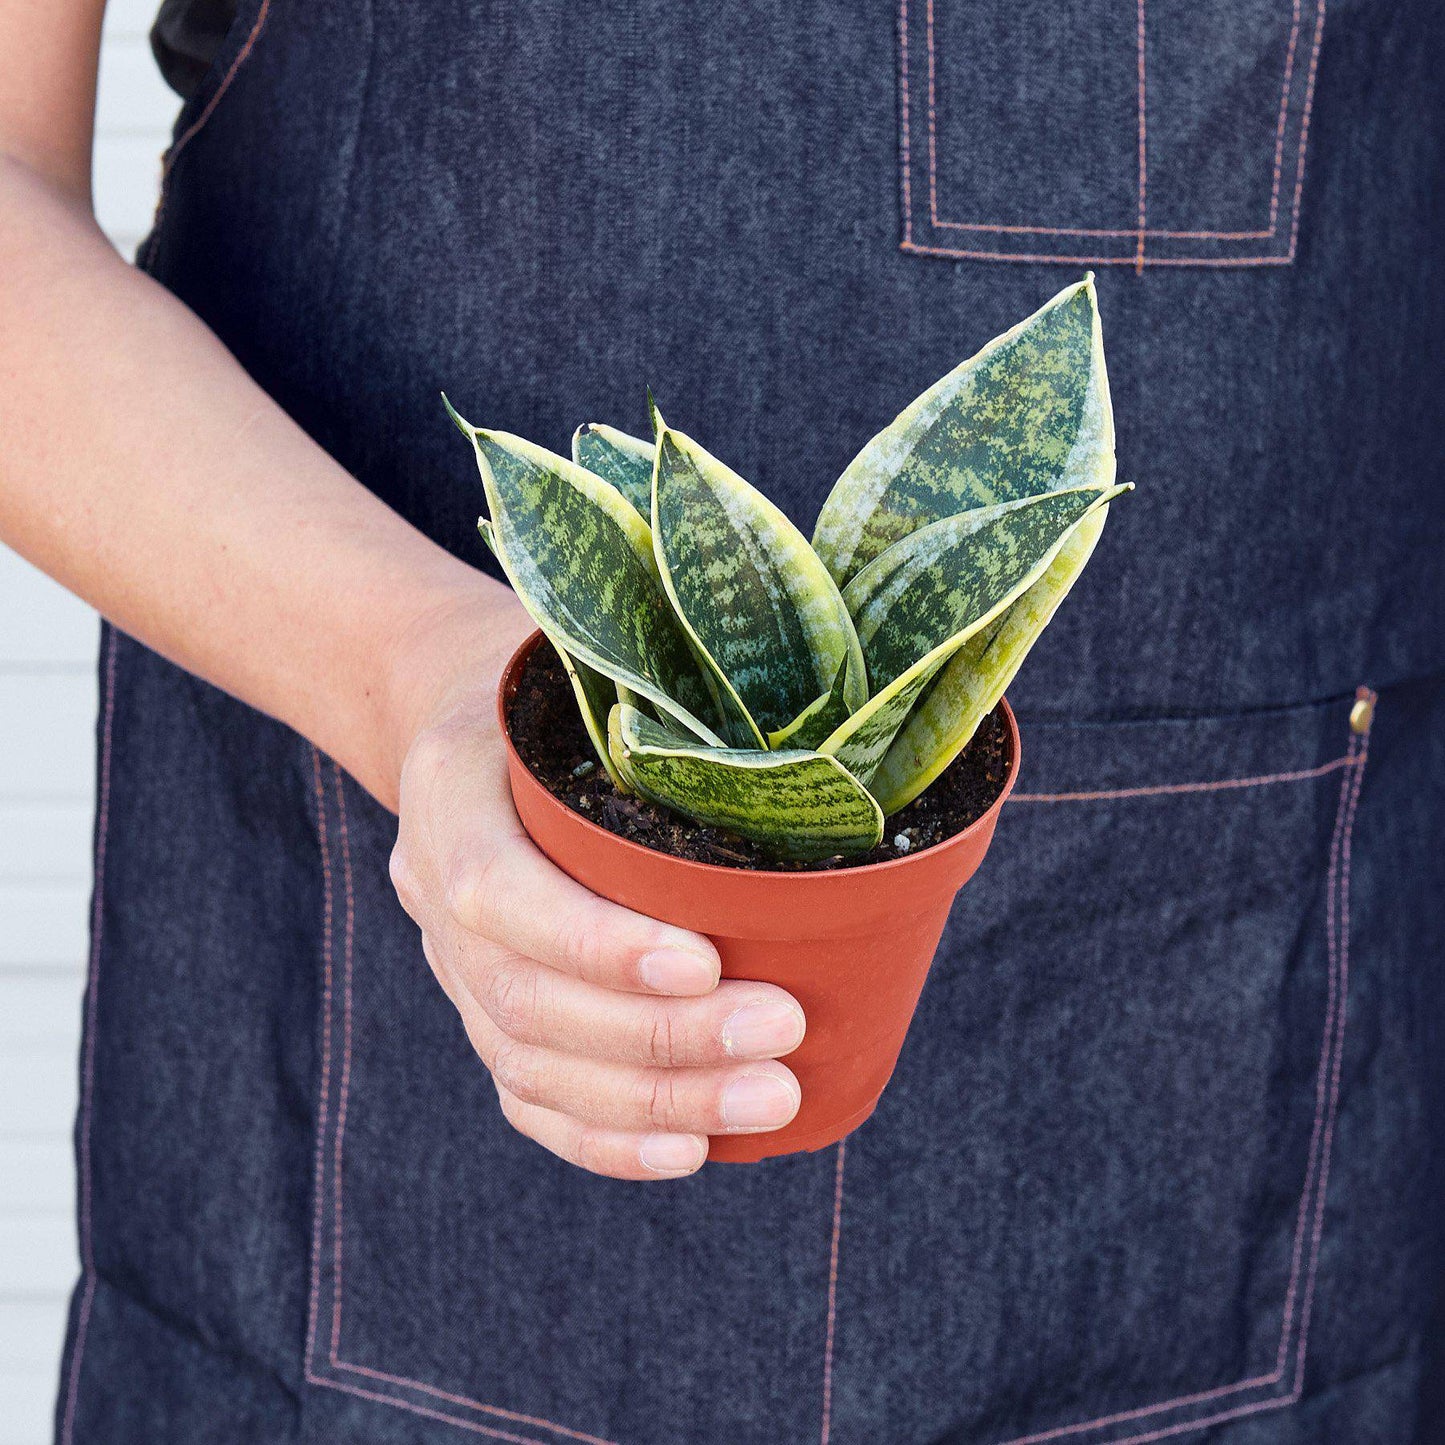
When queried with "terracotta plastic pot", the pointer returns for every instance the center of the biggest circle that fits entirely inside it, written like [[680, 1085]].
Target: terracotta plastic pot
[[852, 945]]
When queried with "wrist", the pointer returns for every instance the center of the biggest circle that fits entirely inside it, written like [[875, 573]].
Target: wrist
[[446, 659]]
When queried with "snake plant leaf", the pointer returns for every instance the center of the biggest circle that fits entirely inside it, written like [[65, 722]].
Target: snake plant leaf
[[794, 804], [580, 560], [919, 602], [957, 573], [818, 720], [1030, 413], [595, 693], [970, 684], [596, 696], [618, 458], [760, 606]]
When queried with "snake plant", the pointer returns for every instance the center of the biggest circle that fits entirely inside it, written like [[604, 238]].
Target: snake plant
[[798, 692]]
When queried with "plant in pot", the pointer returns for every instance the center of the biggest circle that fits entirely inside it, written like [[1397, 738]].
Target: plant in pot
[[784, 705]]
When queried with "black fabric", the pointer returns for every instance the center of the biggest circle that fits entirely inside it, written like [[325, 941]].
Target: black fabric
[[185, 38]]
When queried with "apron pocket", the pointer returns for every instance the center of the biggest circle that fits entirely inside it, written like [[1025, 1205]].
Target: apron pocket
[[462, 1274], [1164, 133], [1090, 1206]]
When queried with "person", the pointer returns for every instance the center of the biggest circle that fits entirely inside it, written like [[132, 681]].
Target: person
[[1163, 1155]]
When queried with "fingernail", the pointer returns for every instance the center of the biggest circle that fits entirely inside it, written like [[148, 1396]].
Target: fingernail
[[763, 1030], [675, 970], [758, 1101], [672, 1153]]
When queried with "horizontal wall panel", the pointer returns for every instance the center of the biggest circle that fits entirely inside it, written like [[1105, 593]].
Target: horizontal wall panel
[[42, 1009], [37, 1176], [39, 1257], [129, 20], [46, 840], [29, 1396], [47, 736], [44, 924], [38, 1091], [31, 1333], [125, 175], [40, 622], [132, 98]]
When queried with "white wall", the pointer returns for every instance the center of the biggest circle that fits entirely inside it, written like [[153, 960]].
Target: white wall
[[47, 717]]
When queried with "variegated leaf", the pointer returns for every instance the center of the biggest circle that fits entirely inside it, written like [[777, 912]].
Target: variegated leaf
[[971, 683], [580, 560], [956, 573], [861, 740], [595, 693], [920, 601], [794, 804], [760, 606], [818, 720], [618, 458], [596, 696], [1030, 413]]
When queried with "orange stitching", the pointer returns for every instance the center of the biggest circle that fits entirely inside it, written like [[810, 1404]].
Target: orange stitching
[[1351, 789], [342, 1096], [447, 1395], [1141, 231], [335, 1361], [832, 1295], [1164, 789], [1302, 1215], [1153, 233], [173, 154], [1304, 133], [1102, 260], [1143, 147], [472, 1425], [1124, 1416], [323, 1107], [1312, 1200], [1283, 116], [906, 155], [1141, 227], [1343, 953], [1343, 822], [932, 126], [338, 1155], [1156, 233]]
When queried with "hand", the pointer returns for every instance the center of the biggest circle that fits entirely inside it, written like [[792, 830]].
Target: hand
[[608, 1034]]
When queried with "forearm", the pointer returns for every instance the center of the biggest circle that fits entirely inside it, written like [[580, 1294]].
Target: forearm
[[145, 470]]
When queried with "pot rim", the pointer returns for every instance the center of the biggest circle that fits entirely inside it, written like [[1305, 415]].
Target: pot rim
[[507, 690]]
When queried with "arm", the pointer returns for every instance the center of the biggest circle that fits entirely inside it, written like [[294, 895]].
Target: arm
[[148, 473]]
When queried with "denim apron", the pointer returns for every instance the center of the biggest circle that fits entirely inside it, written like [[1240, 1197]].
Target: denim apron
[[1163, 1156]]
